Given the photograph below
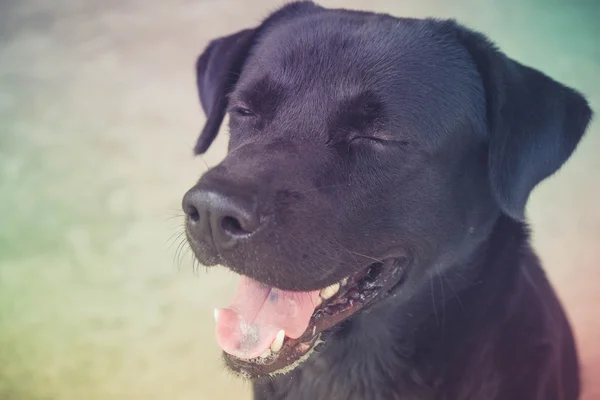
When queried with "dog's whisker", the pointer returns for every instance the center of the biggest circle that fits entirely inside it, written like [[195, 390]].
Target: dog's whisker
[[174, 237], [183, 257], [175, 216], [185, 251], [439, 277], [433, 300], [368, 257], [196, 265], [445, 275], [205, 163], [176, 255], [180, 247], [179, 241], [348, 251]]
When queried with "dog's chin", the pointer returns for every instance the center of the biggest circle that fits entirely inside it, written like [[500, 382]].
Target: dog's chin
[[343, 301]]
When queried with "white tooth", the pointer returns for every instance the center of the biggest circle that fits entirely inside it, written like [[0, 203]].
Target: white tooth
[[344, 281], [278, 342], [216, 313], [330, 291], [318, 301], [266, 354]]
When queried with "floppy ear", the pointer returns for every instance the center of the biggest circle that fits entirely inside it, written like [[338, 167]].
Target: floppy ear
[[220, 65], [217, 71], [534, 123]]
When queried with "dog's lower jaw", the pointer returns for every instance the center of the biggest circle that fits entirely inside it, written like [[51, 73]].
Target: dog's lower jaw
[[282, 371]]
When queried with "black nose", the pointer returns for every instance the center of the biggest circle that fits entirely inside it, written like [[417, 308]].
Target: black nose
[[220, 216]]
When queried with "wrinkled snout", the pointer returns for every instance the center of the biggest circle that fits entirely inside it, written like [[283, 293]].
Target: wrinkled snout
[[270, 212]]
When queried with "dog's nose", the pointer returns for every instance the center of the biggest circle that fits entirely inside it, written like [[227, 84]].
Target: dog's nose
[[219, 217]]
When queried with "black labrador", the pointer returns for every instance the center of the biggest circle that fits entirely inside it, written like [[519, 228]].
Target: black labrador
[[372, 200]]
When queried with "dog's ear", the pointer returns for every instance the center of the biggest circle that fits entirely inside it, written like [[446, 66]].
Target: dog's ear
[[534, 123], [220, 65], [217, 71]]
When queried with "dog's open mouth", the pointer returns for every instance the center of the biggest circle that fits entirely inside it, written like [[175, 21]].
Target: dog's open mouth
[[267, 331]]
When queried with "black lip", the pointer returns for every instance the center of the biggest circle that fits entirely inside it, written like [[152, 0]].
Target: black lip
[[329, 315]]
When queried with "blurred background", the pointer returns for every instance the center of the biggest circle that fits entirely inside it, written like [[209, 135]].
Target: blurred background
[[98, 115]]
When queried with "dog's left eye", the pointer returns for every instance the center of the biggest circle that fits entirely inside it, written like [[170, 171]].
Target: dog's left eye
[[242, 111]]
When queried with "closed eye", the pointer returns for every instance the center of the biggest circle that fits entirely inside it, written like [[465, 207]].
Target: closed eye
[[241, 111], [377, 141], [368, 139]]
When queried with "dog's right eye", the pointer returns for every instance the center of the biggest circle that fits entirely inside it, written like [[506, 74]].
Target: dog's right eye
[[242, 111], [370, 140]]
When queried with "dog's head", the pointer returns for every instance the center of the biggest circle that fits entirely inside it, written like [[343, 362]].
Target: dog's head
[[364, 149]]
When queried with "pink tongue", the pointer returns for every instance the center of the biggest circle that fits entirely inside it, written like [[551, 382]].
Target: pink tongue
[[249, 325]]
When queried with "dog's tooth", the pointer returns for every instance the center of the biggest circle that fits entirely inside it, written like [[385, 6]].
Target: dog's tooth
[[318, 301], [330, 291], [278, 342], [216, 313], [344, 281], [266, 354]]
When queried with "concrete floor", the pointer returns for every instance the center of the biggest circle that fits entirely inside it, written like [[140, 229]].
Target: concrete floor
[[98, 114]]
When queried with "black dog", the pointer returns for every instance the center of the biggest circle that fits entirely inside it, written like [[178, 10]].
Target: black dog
[[373, 201]]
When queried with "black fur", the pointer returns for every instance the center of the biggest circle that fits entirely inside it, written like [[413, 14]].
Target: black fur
[[358, 136]]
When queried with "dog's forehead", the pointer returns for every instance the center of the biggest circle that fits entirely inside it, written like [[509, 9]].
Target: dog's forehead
[[315, 50], [425, 79]]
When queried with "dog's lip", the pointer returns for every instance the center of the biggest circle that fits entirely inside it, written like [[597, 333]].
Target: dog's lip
[[295, 351]]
